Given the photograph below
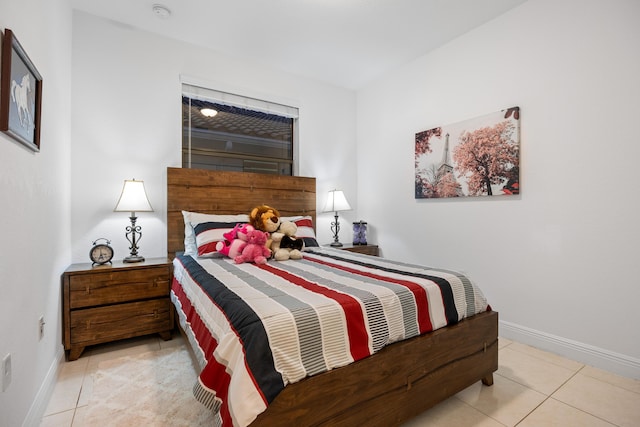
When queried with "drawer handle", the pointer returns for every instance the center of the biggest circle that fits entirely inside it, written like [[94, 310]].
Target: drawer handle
[[154, 314], [88, 290]]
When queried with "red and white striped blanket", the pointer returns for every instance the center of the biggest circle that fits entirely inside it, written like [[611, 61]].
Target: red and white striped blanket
[[257, 328]]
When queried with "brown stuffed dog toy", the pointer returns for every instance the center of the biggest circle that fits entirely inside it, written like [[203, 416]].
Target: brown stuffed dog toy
[[267, 219]]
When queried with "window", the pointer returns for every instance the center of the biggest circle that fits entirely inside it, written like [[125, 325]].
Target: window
[[240, 134]]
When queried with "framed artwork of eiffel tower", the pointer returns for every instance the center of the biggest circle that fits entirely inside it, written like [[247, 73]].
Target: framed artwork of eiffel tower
[[477, 157]]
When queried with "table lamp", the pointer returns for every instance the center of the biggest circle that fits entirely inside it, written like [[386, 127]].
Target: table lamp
[[133, 199], [336, 202]]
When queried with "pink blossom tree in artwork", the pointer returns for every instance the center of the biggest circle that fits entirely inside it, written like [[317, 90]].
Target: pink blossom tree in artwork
[[487, 156], [423, 185]]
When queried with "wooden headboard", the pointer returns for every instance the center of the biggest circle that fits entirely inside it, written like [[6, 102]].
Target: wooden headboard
[[224, 192]]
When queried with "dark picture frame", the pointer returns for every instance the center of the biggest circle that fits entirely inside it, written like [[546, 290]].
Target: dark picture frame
[[20, 94]]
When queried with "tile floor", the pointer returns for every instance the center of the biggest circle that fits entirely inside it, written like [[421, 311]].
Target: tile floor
[[531, 388]]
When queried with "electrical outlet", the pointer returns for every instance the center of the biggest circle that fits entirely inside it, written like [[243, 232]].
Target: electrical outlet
[[41, 327], [6, 372]]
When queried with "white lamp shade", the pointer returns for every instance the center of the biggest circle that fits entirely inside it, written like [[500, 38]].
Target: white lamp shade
[[133, 198], [336, 202]]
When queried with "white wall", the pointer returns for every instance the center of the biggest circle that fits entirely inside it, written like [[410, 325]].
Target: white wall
[[557, 262], [560, 261], [34, 219], [126, 124]]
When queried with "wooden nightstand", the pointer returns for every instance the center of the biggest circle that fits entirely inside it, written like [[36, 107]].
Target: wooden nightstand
[[111, 302], [361, 249]]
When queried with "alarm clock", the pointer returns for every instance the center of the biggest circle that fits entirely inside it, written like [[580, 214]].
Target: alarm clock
[[101, 253]]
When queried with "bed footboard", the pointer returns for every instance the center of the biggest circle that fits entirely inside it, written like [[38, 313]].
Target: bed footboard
[[396, 384]]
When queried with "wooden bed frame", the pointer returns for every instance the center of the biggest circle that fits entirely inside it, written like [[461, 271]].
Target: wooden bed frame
[[392, 386]]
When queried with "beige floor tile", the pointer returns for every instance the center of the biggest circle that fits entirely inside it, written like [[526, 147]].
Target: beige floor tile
[[86, 390], [452, 413], [626, 383], [601, 399], [547, 356], [532, 372], [121, 348], [503, 342], [78, 418], [176, 341], [76, 366], [128, 346], [557, 414], [61, 419], [66, 391], [506, 401]]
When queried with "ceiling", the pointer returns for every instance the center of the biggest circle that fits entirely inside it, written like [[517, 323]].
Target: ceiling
[[348, 43]]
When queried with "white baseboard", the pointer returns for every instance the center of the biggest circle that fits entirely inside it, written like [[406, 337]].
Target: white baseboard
[[41, 401], [617, 363]]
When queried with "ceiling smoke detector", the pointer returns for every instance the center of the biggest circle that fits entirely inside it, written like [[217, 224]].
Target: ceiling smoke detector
[[161, 11]]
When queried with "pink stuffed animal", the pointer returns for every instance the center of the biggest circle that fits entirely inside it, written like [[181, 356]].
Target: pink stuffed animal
[[254, 249], [234, 240]]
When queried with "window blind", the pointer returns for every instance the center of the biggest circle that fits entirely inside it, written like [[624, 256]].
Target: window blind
[[205, 94]]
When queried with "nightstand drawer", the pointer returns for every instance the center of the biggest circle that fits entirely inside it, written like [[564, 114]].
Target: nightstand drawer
[[88, 290], [101, 324]]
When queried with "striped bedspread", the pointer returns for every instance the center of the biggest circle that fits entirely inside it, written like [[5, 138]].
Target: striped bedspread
[[257, 328]]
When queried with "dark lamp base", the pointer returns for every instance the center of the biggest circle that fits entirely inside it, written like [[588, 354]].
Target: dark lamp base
[[136, 258], [336, 244]]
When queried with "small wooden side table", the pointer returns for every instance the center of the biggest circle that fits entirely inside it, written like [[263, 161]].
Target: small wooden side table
[[361, 249], [110, 302]]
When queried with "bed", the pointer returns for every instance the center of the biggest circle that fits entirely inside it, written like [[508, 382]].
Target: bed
[[395, 383]]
